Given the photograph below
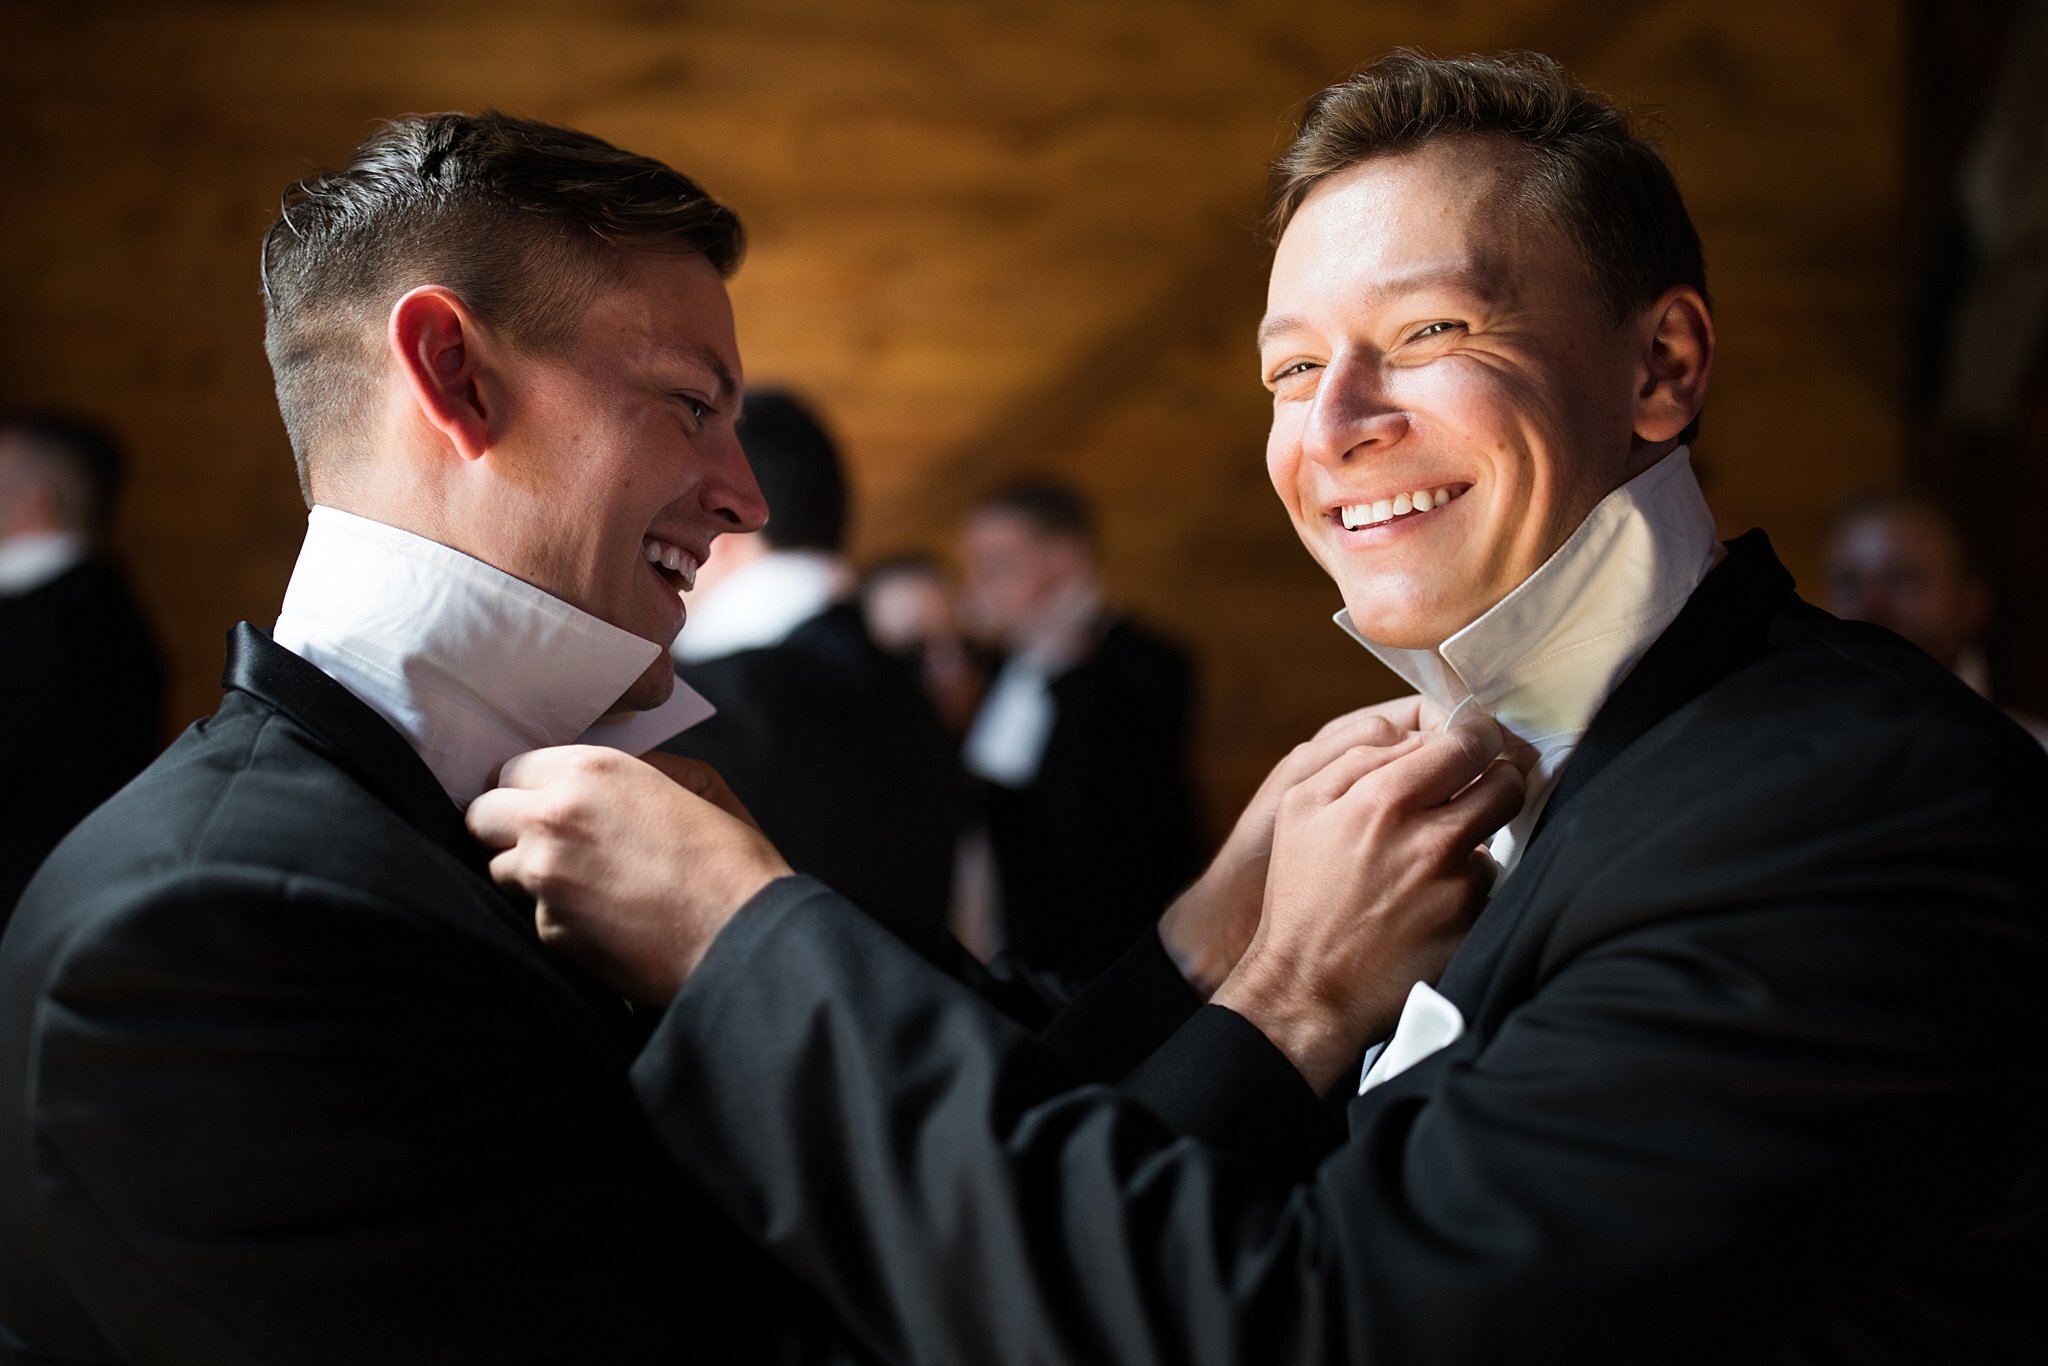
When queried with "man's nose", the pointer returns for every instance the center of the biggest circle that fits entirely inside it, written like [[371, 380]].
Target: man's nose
[[1353, 415], [733, 494]]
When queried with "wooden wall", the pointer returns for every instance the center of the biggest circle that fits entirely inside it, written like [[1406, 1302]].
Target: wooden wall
[[989, 238]]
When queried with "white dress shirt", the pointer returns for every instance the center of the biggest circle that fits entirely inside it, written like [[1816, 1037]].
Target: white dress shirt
[[759, 604], [1005, 744], [1544, 659], [471, 665], [1547, 656], [33, 558]]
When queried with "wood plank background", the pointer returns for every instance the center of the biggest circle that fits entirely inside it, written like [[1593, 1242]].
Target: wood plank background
[[988, 238]]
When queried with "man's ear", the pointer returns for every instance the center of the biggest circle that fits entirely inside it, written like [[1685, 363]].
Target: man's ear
[[1676, 360], [439, 347]]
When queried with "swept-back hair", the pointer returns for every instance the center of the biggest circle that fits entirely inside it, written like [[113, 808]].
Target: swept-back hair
[[1588, 171]]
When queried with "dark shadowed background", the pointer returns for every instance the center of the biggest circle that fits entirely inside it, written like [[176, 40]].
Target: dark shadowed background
[[1001, 238]]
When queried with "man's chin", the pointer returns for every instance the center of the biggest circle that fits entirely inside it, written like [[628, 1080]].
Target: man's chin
[[1405, 630], [649, 690]]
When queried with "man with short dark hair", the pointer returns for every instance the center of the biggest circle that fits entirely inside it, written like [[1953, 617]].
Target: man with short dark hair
[[81, 677], [1740, 1061], [831, 743], [1082, 738], [286, 1078]]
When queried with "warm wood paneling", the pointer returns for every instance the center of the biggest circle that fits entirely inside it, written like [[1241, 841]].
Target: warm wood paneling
[[989, 238]]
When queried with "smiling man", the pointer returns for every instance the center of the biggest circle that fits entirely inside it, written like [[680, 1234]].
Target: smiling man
[[1738, 1064], [285, 1078]]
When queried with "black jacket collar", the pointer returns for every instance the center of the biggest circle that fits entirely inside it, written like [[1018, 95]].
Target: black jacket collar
[[355, 737], [1723, 625], [364, 744]]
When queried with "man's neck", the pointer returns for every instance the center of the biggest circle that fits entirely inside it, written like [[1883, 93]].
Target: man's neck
[[468, 663], [1545, 659]]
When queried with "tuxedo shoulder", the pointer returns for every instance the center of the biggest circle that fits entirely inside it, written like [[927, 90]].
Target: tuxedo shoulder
[[1852, 693], [245, 786], [1839, 776], [242, 810]]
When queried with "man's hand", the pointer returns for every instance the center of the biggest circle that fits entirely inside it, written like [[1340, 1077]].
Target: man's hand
[[1376, 875], [1206, 929], [634, 869]]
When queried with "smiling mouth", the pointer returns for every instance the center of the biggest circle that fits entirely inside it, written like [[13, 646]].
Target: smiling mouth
[[1380, 511], [676, 566]]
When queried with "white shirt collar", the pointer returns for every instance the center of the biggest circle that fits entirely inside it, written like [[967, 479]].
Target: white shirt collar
[[760, 603], [468, 663], [1547, 657], [33, 558]]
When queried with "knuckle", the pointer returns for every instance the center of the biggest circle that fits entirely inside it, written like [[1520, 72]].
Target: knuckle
[[551, 814], [545, 869], [1443, 846], [1378, 730]]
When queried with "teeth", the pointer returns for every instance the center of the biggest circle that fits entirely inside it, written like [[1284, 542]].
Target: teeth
[[672, 558], [1358, 515]]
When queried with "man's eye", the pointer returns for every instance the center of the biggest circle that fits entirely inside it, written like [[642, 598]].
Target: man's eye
[[1428, 330], [699, 409], [1286, 372]]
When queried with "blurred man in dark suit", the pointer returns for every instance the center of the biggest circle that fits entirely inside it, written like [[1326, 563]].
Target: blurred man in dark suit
[[830, 742], [1082, 738], [81, 678], [1901, 561]]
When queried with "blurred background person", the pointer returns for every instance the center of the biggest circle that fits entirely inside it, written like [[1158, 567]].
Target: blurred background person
[[1899, 559], [1082, 739], [912, 610], [81, 678], [829, 740]]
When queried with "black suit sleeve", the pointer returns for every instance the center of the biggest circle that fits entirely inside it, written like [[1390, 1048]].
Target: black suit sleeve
[[1700, 1126]]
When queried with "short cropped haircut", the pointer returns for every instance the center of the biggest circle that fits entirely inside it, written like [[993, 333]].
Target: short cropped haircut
[[81, 461], [796, 463], [1606, 187], [1052, 509], [526, 222]]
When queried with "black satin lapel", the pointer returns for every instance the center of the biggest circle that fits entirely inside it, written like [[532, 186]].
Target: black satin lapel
[[363, 743], [358, 739], [1723, 624], [1720, 626]]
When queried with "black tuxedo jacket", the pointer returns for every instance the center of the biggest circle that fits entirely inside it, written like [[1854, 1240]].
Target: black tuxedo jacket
[[1104, 836], [81, 710], [285, 1079], [1751, 1073], [836, 751]]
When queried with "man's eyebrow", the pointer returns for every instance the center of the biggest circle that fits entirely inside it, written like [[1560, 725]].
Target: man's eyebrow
[[1477, 278], [728, 387], [1276, 325]]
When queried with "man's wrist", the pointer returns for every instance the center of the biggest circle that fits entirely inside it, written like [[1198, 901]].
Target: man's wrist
[[746, 889], [1309, 1031]]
